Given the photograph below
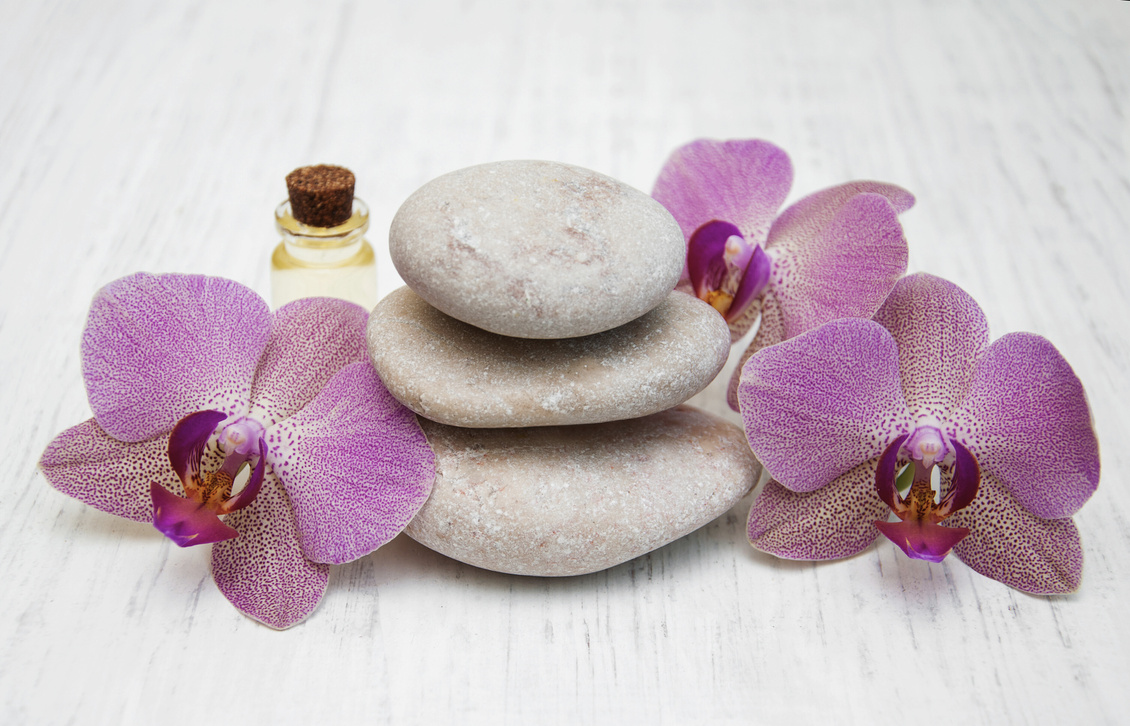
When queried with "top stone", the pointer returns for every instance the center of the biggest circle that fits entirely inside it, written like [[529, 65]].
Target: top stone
[[536, 249]]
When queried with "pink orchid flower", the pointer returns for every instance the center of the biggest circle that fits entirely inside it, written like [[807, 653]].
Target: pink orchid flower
[[833, 254], [193, 382], [833, 414]]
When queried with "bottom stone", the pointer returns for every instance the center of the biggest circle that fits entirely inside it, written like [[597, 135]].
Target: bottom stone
[[568, 500]]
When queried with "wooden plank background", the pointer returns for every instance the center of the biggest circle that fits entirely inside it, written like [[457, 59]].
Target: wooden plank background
[[155, 136]]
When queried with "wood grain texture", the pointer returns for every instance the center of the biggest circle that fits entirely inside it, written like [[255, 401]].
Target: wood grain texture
[[155, 136]]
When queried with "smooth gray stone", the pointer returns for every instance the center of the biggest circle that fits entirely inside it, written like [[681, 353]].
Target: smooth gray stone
[[567, 500], [457, 374], [536, 249]]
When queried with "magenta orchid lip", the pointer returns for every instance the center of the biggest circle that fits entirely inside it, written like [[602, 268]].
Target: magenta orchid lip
[[194, 519], [919, 532]]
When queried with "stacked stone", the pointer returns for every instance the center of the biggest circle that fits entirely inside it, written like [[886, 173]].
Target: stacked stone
[[540, 343]]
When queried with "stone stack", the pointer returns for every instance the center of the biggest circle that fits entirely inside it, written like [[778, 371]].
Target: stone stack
[[540, 343]]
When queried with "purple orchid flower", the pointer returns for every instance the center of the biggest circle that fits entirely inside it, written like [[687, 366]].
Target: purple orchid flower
[[835, 413], [193, 384], [833, 254]]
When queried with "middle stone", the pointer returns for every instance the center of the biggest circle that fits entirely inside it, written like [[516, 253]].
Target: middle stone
[[457, 374]]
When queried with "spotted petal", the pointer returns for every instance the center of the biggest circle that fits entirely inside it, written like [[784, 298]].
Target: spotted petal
[[263, 571], [832, 522], [804, 219], [1013, 546], [311, 340], [741, 182], [836, 256], [940, 330], [355, 464], [1027, 421], [88, 464], [159, 347], [820, 404]]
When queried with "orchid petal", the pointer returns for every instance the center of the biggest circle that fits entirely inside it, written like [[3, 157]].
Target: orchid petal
[[706, 255], [311, 340], [832, 522], [1013, 546], [922, 540], [886, 475], [1027, 421], [804, 219], [88, 464], [159, 347], [818, 405], [743, 182], [356, 465], [263, 571], [940, 331], [753, 282], [839, 265], [186, 522], [770, 331], [187, 443]]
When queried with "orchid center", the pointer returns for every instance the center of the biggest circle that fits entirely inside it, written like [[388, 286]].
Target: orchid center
[[195, 518], [919, 533], [726, 270], [926, 446], [242, 436]]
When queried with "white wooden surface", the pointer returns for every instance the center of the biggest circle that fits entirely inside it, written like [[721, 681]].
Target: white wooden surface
[[155, 136]]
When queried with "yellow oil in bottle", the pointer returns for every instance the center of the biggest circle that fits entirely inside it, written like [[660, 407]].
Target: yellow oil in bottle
[[324, 261]]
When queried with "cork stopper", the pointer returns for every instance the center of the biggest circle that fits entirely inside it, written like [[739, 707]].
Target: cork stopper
[[322, 195]]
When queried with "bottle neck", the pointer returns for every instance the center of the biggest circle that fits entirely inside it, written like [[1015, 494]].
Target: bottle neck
[[323, 246]]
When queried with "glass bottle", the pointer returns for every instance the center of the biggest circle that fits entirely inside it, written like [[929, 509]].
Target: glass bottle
[[332, 261]]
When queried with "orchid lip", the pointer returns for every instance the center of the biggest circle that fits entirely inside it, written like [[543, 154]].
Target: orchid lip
[[918, 533], [921, 540], [726, 270], [185, 521], [195, 518]]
